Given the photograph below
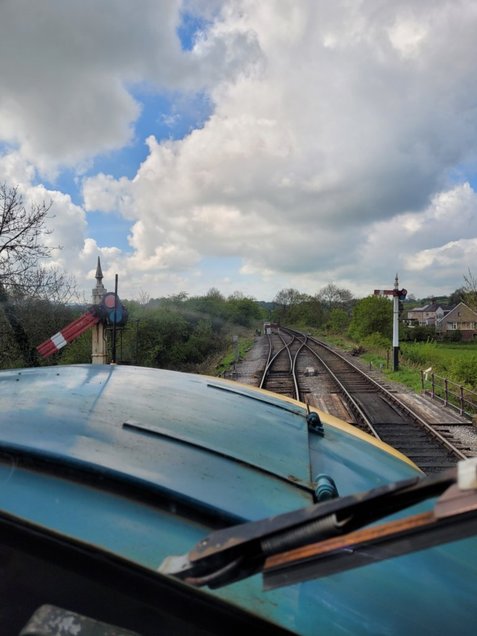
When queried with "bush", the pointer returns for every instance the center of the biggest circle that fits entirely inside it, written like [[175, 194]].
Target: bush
[[371, 315], [421, 353], [421, 333], [377, 341], [464, 370], [453, 336]]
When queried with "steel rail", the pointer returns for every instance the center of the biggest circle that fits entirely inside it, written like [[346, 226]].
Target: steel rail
[[392, 398], [354, 406], [293, 369], [271, 359], [270, 351], [417, 418], [292, 360]]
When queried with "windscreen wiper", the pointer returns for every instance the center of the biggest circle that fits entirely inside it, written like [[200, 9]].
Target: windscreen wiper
[[331, 537]]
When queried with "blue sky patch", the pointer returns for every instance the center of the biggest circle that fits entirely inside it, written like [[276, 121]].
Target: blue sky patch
[[188, 29], [109, 230], [164, 115]]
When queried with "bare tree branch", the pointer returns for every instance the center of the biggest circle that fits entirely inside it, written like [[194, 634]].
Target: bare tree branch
[[470, 289], [21, 234], [23, 280]]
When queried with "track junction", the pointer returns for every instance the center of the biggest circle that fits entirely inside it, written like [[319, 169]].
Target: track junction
[[297, 365]]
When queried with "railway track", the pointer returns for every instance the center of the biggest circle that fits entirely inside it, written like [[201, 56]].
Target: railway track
[[295, 360], [280, 374]]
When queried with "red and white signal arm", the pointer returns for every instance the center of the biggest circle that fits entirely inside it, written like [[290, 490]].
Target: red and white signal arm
[[110, 310], [68, 333]]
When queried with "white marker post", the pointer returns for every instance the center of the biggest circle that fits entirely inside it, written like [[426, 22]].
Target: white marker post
[[397, 295], [396, 325]]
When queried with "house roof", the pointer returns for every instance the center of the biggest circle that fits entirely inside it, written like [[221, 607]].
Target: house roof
[[449, 314], [433, 307]]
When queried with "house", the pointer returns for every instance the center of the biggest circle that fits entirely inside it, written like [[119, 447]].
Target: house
[[461, 318], [428, 315]]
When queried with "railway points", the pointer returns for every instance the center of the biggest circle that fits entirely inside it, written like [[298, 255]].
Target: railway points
[[433, 436]]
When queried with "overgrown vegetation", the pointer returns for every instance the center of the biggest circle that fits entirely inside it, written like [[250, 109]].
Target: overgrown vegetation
[[181, 333]]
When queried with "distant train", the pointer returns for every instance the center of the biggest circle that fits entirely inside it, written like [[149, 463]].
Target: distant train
[[153, 500], [270, 327]]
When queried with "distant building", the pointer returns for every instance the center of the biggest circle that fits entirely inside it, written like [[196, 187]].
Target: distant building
[[461, 318], [429, 315]]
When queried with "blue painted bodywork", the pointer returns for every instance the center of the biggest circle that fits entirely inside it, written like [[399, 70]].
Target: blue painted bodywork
[[236, 454]]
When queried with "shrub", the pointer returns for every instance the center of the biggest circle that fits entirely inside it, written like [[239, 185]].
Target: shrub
[[421, 333], [376, 341], [464, 370], [453, 336]]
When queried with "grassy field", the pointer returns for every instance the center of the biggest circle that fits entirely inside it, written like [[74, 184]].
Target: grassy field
[[455, 361]]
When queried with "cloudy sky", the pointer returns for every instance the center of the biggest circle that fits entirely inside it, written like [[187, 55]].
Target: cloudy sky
[[247, 145]]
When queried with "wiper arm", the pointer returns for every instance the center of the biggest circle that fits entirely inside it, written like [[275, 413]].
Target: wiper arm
[[324, 538]]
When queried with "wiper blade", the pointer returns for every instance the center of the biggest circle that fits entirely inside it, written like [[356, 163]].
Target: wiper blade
[[324, 538]]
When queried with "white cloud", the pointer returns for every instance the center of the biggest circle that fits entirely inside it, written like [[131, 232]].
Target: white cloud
[[343, 119], [335, 131], [106, 194], [14, 169], [429, 248], [66, 70]]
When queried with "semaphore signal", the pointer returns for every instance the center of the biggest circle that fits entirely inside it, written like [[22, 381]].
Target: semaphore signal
[[397, 295], [107, 311]]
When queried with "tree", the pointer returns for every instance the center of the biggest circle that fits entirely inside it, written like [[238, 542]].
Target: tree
[[470, 290], [286, 300], [242, 310], [21, 247], [143, 297], [373, 314], [333, 296], [214, 294], [458, 296], [21, 233], [338, 321]]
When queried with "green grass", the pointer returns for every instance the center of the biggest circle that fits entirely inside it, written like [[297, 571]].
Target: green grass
[[455, 361], [377, 357], [408, 375], [227, 361]]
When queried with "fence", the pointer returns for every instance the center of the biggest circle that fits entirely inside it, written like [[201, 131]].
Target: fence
[[450, 393]]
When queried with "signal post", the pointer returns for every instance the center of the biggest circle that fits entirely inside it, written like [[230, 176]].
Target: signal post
[[398, 295], [107, 310], [98, 348]]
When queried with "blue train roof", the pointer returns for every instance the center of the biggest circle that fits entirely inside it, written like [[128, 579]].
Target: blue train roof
[[209, 453]]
